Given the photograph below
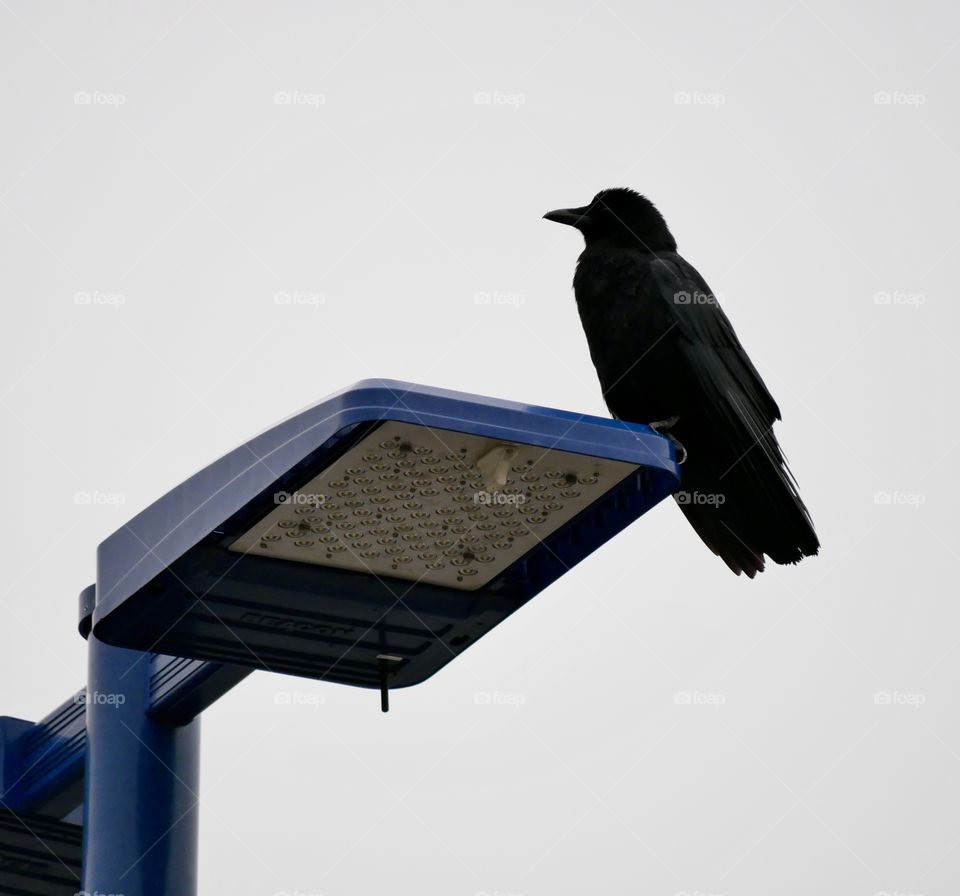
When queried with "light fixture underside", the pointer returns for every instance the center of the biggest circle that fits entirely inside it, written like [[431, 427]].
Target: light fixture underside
[[431, 505]]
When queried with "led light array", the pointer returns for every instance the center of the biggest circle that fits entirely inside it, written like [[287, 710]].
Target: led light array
[[437, 506]]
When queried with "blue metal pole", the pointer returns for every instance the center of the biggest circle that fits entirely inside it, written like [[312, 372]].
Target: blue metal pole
[[141, 786]]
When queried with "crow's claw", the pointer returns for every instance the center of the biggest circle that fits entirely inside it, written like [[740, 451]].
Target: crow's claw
[[669, 423], [678, 446], [662, 427]]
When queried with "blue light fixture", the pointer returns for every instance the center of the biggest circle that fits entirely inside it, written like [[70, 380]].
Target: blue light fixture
[[388, 520], [367, 540]]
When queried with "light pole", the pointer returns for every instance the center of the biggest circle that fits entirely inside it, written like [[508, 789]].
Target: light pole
[[367, 540]]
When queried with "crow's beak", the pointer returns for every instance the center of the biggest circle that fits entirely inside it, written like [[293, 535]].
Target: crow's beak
[[575, 217]]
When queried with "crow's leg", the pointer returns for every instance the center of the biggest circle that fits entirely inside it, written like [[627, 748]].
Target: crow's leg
[[663, 427]]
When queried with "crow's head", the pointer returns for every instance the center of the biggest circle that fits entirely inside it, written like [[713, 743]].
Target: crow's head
[[619, 216]]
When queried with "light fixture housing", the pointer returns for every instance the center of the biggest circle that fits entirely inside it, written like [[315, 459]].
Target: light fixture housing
[[389, 520]]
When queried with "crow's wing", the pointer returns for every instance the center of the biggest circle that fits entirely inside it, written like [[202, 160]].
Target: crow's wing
[[729, 382], [728, 431]]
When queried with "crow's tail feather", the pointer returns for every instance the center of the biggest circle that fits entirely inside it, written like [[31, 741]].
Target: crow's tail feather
[[747, 506]]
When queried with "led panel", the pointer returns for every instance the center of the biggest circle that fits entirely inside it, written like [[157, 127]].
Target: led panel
[[428, 505]]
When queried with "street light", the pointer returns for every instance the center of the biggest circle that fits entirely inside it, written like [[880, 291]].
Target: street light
[[367, 540], [388, 519]]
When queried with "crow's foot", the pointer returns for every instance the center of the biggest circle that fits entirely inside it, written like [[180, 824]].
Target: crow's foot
[[662, 427], [669, 423]]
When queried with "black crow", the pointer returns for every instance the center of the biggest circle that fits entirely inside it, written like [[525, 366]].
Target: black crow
[[667, 356]]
